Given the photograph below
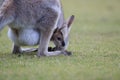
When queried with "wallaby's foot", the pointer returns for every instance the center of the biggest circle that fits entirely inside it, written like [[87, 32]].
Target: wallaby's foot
[[16, 50], [29, 50]]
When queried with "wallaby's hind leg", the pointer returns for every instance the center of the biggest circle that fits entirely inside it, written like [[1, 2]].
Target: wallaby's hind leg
[[16, 49]]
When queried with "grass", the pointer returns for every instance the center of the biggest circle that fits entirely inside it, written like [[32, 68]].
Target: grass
[[94, 41]]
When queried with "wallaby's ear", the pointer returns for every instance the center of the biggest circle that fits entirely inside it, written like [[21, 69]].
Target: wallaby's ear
[[67, 23], [56, 30], [63, 26], [70, 20]]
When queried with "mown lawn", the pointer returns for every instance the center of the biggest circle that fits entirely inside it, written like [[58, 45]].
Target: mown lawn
[[94, 41]]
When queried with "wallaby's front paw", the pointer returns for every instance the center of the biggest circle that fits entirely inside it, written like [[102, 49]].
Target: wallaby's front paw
[[68, 53]]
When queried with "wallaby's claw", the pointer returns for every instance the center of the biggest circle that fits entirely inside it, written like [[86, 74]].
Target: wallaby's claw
[[67, 53]]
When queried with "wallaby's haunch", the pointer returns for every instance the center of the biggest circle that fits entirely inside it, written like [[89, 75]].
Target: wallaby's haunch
[[36, 22]]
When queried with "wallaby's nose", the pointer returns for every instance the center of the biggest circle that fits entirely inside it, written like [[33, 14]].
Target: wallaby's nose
[[63, 43]]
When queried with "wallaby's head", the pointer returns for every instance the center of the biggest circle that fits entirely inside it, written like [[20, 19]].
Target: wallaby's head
[[61, 35]]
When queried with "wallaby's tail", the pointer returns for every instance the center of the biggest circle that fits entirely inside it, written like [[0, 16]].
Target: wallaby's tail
[[7, 13]]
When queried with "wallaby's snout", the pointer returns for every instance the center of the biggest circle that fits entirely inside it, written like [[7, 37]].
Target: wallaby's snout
[[63, 43]]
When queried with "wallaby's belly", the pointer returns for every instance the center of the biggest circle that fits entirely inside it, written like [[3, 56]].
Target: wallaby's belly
[[24, 37]]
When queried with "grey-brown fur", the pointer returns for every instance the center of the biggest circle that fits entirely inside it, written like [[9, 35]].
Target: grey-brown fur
[[1, 1], [44, 16]]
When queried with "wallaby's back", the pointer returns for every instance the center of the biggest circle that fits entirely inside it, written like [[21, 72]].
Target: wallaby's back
[[1, 1], [29, 12]]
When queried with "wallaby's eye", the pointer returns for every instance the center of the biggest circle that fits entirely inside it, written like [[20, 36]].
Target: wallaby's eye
[[58, 38]]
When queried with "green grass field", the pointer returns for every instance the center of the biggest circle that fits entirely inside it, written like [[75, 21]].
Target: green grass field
[[94, 41]]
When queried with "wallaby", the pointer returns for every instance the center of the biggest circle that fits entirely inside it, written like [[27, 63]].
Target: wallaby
[[36, 22]]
